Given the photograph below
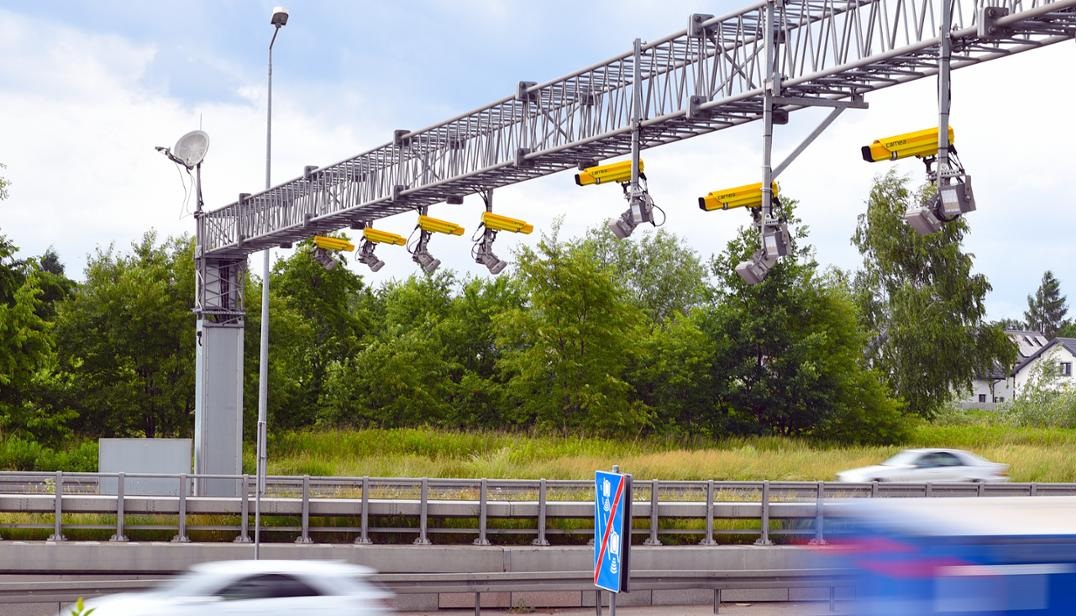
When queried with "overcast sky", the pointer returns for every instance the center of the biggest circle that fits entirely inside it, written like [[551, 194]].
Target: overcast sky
[[87, 89]]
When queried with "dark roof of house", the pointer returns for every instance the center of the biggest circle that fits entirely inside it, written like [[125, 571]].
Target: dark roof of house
[[1029, 345], [1068, 343]]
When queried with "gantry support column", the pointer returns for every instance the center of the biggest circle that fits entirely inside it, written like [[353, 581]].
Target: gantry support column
[[771, 88], [218, 377], [945, 56]]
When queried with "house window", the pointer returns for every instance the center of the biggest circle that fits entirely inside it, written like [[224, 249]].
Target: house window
[[982, 397], [999, 398], [1066, 368]]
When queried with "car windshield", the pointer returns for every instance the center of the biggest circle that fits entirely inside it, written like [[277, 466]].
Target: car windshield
[[191, 584], [904, 458]]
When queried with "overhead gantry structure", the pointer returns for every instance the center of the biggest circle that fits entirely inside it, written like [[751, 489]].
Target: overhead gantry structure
[[759, 63]]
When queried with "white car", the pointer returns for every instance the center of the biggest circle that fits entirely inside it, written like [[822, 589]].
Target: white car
[[927, 465], [262, 587]]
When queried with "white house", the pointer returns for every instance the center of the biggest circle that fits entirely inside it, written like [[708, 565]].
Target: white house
[[996, 387], [1050, 367]]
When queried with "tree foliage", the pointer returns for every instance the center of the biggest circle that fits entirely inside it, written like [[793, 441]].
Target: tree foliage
[[28, 294], [564, 354], [662, 275], [27, 359], [1046, 309], [1011, 324], [126, 340], [317, 317], [1068, 330], [592, 335], [788, 356], [921, 302]]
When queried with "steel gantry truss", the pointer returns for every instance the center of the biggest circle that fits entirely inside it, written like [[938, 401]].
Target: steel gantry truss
[[702, 79], [758, 63]]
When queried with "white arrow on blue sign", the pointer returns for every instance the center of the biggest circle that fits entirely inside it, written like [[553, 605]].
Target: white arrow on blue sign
[[612, 530]]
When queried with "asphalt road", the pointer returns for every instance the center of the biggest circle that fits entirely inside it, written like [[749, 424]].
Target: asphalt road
[[736, 609]]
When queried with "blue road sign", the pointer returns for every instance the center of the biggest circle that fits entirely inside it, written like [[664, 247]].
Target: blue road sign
[[612, 530]]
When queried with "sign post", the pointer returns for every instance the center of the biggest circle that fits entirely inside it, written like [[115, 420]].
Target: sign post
[[612, 533]]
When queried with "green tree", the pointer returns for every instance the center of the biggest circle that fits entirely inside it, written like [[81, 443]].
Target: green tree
[[921, 302], [1011, 324], [399, 379], [126, 341], [673, 375], [469, 341], [663, 275], [566, 352], [27, 353], [403, 374], [27, 356], [1068, 330], [788, 352], [317, 318], [55, 285], [1046, 309]]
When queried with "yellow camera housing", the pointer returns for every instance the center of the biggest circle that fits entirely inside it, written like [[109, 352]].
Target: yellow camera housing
[[436, 225], [382, 237], [600, 174], [749, 196], [333, 243], [919, 143], [504, 223]]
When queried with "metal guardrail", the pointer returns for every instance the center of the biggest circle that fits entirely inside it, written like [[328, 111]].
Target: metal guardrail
[[478, 583], [358, 508]]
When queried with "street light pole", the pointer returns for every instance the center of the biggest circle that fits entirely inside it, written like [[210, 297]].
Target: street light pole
[[279, 20]]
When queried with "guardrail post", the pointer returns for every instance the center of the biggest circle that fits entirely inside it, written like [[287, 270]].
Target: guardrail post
[[541, 540], [765, 538], [477, 604], [244, 511], [364, 516], [979, 489], [874, 489], [481, 519], [305, 536], [424, 493], [182, 536], [928, 491], [119, 536], [1033, 489], [57, 531], [819, 514], [709, 538], [717, 600], [653, 538]]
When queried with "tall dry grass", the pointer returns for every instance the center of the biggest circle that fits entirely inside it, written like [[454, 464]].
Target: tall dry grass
[[1034, 454]]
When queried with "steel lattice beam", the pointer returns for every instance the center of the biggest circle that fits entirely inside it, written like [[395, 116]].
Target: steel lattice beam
[[702, 79]]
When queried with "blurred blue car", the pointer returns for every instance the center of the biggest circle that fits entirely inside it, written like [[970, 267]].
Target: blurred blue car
[[966, 556]]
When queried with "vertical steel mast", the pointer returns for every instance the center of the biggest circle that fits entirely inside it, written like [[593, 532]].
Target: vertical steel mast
[[944, 61]]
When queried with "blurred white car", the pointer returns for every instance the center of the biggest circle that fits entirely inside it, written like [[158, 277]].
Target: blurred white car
[[925, 465], [262, 587]]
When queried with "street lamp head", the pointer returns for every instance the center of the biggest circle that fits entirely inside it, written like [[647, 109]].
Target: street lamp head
[[280, 17]]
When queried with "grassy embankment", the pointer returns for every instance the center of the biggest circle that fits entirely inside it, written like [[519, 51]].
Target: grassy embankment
[[1035, 454]]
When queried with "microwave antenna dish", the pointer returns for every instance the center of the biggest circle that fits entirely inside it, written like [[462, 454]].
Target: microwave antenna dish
[[191, 148]]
